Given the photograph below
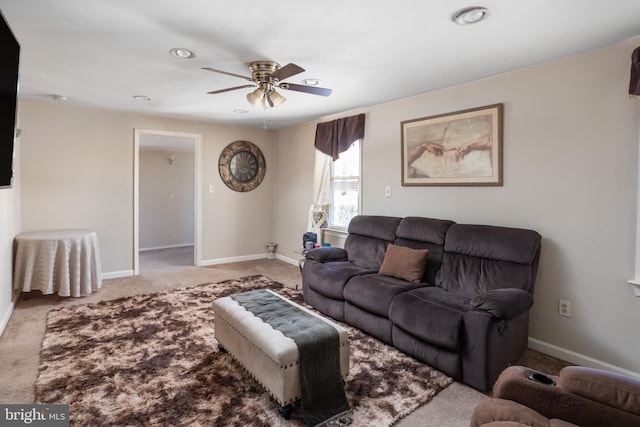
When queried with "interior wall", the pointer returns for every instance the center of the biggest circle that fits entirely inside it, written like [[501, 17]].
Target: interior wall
[[7, 233], [295, 154], [9, 228], [570, 172], [166, 198], [77, 168]]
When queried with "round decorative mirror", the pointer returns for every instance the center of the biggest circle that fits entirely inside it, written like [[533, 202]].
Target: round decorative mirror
[[242, 166]]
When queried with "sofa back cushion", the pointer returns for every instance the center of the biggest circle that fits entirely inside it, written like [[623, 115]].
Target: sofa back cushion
[[425, 233], [480, 258], [368, 238]]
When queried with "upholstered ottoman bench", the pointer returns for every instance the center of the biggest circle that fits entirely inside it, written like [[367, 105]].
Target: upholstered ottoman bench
[[266, 353]]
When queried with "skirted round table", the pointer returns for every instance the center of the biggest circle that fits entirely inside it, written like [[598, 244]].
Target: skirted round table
[[63, 262]]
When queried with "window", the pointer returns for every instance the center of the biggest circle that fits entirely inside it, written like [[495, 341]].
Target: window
[[345, 187]]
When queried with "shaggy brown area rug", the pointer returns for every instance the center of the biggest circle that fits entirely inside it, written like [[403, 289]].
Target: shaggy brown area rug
[[152, 360]]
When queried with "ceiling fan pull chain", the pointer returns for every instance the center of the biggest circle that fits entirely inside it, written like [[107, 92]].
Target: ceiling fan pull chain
[[267, 118]]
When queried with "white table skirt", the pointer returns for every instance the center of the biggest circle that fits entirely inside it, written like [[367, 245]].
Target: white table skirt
[[63, 262]]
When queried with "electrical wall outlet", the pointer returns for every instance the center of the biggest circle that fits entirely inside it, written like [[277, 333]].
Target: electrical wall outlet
[[564, 307]]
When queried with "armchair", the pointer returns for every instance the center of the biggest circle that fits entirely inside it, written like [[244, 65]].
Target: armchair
[[577, 396]]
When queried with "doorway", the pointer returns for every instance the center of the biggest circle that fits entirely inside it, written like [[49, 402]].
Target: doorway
[[171, 146]]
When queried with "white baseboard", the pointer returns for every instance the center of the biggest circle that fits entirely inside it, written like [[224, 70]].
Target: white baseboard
[[7, 316], [153, 248], [217, 261], [204, 263], [577, 358], [116, 274], [287, 259]]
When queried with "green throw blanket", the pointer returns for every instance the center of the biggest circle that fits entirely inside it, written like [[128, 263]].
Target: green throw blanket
[[318, 344]]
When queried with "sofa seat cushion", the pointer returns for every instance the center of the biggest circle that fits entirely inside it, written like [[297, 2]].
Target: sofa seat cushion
[[329, 279], [431, 314], [374, 292]]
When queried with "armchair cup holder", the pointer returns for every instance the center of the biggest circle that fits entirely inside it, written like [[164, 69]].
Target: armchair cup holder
[[542, 379]]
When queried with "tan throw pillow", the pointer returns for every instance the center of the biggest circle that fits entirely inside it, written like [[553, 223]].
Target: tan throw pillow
[[404, 263]]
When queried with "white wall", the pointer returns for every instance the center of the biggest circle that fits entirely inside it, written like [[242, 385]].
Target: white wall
[[570, 172], [77, 171], [7, 233], [166, 198], [294, 156], [9, 227]]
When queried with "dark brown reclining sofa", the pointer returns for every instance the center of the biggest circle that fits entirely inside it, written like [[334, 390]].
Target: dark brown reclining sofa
[[465, 312]]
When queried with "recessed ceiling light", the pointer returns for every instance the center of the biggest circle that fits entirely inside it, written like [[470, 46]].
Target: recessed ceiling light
[[240, 111], [59, 98], [141, 98], [470, 15], [180, 52], [311, 82]]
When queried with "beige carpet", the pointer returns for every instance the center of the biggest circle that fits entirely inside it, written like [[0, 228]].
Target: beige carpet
[[168, 269]]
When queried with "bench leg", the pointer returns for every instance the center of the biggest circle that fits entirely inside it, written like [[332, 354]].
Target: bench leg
[[285, 411]]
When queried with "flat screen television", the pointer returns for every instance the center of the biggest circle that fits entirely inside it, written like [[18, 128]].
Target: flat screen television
[[8, 99]]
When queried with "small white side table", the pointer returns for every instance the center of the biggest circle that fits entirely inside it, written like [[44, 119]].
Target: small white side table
[[63, 262]]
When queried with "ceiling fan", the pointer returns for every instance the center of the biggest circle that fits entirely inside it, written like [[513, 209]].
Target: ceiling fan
[[266, 76]]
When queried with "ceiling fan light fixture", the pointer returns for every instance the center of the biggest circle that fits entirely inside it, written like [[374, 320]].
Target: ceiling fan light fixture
[[276, 98], [255, 97], [266, 77], [471, 15]]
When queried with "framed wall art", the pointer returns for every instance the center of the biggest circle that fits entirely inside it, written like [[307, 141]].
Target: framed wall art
[[459, 148]]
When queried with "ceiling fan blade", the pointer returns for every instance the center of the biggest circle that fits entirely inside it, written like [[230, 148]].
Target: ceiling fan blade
[[213, 92], [287, 71], [307, 89], [227, 73], [269, 100]]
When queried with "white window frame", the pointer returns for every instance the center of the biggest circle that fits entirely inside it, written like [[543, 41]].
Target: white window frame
[[332, 226]]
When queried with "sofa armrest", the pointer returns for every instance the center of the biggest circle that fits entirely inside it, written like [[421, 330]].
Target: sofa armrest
[[327, 254], [611, 389], [556, 401], [507, 303]]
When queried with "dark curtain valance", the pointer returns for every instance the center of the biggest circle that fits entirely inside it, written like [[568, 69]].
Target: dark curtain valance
[[335, 137], [634, 84]]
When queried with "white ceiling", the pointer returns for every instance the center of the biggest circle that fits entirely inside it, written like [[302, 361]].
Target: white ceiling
[[100, 53]]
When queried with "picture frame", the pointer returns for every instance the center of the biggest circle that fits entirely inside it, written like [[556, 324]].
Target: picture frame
[[462, 148]]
